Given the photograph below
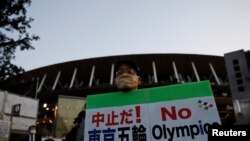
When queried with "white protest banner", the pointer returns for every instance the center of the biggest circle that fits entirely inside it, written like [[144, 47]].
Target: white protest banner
[[176, 112]]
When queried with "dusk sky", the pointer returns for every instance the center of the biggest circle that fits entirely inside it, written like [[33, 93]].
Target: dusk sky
[[79, 29]]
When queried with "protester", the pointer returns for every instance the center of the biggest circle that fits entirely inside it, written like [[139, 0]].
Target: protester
[[81, 129], [127, 78], [127, 75], [74, 134]]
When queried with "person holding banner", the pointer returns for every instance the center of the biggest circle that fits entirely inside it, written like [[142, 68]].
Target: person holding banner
[[127, 75], [32, 136], [127, 78]]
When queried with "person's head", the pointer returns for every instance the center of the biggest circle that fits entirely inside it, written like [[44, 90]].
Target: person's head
[[32, 129], [127, 75], [79, 118], [64, 136], [50, 135]]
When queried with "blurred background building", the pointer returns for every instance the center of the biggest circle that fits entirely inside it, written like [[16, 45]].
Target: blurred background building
[[62, 88], [238, 66]]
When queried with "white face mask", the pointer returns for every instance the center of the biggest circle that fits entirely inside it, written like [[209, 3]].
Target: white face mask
[[127, 82], [33, 131]]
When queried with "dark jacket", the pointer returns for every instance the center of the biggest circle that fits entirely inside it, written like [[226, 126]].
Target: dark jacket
[[37, 138], [49, 140], [71, 136]]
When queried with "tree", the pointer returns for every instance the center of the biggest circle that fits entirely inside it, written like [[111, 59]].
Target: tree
[[13, 35]]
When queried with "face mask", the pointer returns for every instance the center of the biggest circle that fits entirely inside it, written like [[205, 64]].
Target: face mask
[[126, 82], [33, 131]]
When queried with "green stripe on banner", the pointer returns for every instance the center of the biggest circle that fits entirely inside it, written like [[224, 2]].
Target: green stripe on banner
[[150, 95], [115, 99], [180, 91]]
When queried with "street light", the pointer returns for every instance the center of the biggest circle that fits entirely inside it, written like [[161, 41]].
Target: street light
[[45, 105]]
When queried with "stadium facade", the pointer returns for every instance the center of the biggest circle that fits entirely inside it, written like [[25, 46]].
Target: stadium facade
[[94, 76]]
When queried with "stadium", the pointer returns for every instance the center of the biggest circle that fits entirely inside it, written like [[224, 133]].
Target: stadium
[[85, 77]]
